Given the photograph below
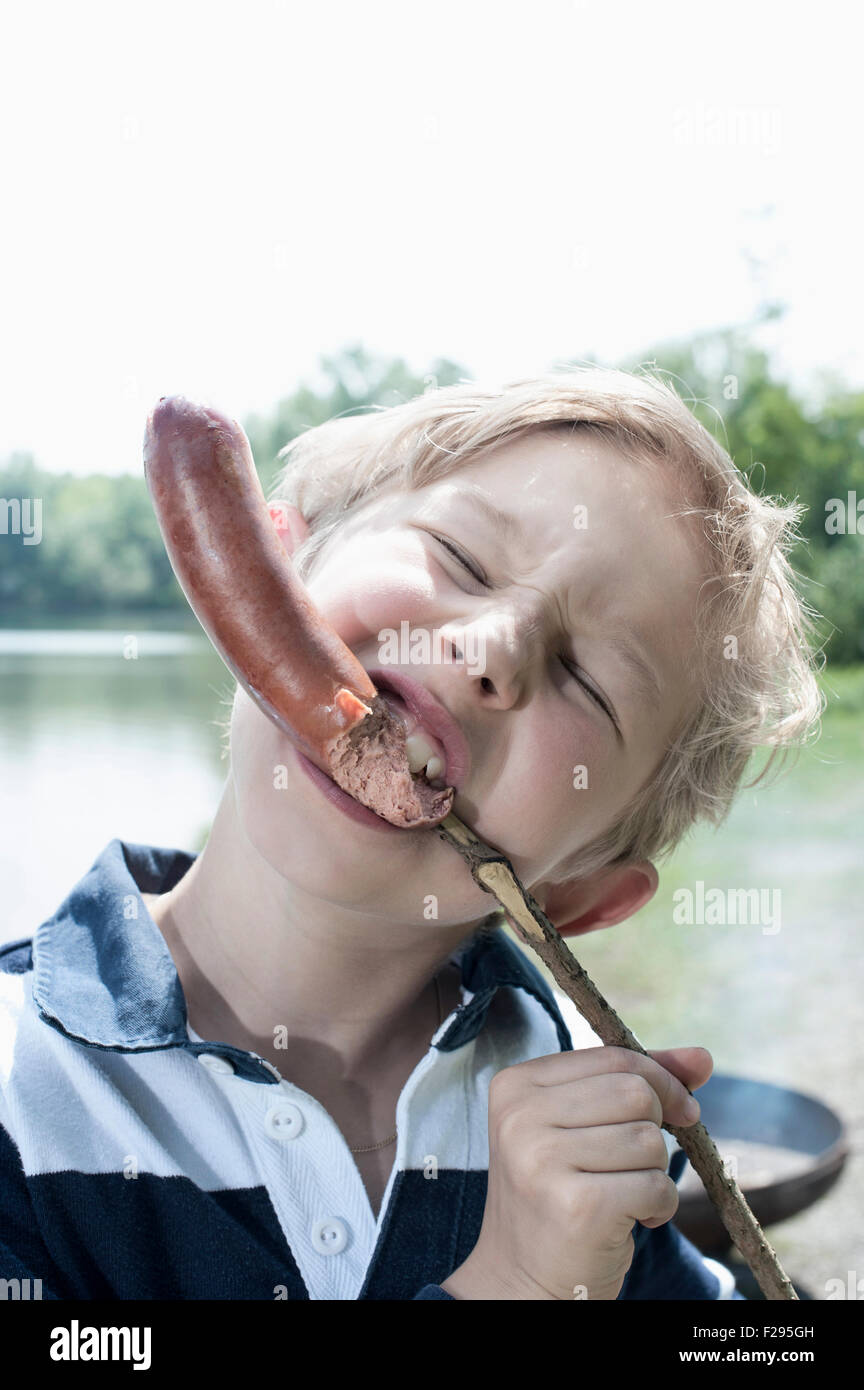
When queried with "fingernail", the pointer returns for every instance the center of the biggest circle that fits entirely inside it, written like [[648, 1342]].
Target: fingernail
[[692, 1110]]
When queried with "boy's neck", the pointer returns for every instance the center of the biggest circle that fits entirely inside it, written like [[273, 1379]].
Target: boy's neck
[[268, 970]]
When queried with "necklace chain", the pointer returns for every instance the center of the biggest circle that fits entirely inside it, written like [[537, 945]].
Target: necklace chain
[[370, 1148]]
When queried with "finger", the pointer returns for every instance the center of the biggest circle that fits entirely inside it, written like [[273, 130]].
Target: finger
[[604, 1099], [563, 1067], [692, 1065], [618, 1199], [634, 1146]]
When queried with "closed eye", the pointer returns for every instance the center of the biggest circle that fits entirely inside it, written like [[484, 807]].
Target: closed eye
[[568, 665], [589, 690], [481, 579]]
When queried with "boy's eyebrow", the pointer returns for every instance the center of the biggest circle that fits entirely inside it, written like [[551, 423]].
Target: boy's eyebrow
[[642, 672], [507, 527]]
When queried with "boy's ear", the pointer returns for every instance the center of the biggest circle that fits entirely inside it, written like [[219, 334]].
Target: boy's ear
[[587, 904], [290, 524]]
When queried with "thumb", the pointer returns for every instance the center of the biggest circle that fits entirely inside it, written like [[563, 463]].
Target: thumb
[[691, 1065]]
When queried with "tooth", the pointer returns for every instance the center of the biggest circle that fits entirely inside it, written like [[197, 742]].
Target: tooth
[[419, 750], [434, 768]]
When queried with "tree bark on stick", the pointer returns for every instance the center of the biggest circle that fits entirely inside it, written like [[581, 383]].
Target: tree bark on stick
[[494, 873]]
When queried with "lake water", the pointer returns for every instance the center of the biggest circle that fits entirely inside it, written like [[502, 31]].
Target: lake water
[[104, 732]]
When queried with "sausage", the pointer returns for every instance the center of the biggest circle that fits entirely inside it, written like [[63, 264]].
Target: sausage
[[245, 592]]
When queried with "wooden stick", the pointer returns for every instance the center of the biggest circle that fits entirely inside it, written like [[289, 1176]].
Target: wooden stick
[[494, 873]]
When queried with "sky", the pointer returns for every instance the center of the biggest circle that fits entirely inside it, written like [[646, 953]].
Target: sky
[[205, 198]]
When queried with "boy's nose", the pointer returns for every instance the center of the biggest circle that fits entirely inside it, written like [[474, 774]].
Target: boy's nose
[[508, 647]]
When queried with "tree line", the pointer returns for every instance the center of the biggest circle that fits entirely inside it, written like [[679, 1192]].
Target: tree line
[[101, 551]]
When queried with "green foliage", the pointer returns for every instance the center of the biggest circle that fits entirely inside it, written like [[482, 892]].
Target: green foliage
[[844, 688], [101, 547], [787, 449], [354, 381]]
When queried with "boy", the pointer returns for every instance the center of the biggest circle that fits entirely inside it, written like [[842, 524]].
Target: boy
[[308, 1063]]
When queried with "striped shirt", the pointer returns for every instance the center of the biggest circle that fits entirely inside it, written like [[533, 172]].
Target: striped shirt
[[139, 1160]]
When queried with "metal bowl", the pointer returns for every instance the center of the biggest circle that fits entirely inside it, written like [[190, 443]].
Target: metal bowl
[[738, 1111]]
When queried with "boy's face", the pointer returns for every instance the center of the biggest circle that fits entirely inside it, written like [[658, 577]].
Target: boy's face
[[601, 561]]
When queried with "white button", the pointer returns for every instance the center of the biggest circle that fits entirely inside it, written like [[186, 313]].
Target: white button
[[330, 1237], [212, 1062], [284, 1120]]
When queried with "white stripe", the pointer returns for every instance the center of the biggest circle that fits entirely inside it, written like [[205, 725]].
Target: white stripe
[[726, 1277], [581, 1032]]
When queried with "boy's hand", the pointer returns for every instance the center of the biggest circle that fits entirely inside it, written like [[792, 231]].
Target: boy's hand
[[576, 1156]]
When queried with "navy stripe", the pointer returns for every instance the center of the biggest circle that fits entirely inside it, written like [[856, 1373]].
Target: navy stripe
[[443, 1214], [16, 957]]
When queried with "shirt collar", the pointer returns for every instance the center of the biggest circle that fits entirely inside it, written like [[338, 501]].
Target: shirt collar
[[103, 974]]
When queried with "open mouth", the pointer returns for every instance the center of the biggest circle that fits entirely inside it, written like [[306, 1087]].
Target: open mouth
[[426, 756], [423, 761], [426, 720]]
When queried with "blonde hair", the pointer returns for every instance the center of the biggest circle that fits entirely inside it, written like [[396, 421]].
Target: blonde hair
[[765, 695]]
